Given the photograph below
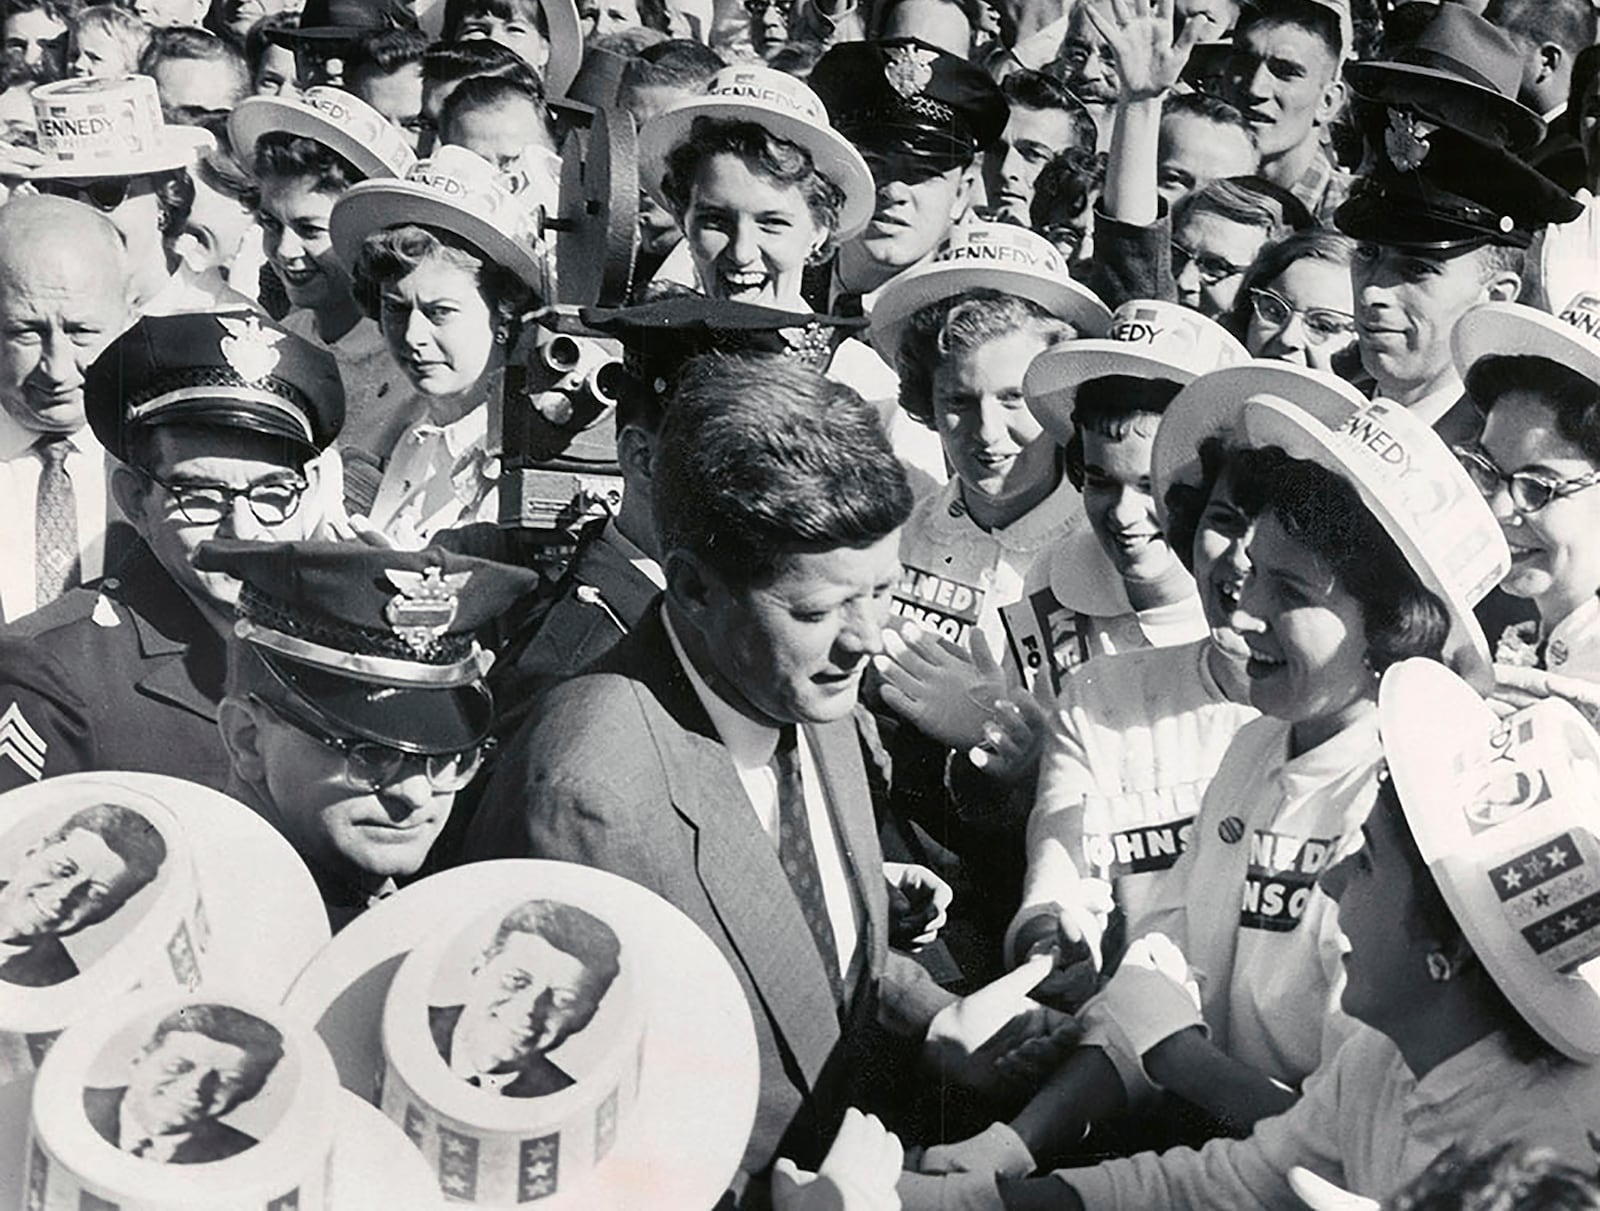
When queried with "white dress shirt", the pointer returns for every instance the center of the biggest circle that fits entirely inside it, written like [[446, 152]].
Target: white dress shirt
[[751, 745], [20, 466]]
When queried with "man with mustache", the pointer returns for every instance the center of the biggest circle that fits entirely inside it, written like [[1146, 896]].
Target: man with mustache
[[539, 981]]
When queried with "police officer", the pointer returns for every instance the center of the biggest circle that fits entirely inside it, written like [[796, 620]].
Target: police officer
[[216, 422], [356, 705], [919, 116]]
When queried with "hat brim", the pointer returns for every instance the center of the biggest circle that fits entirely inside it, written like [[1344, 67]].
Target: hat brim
[[421, 720], [698, 1087], [1473, 105], [1052, 382], [372, 206], [375, 1167], [1434, 725], [255, 116], [177, 148], [222, 411], [1512, 329], [832, 154], [1212, 404], [566, 46], [1271, 423], [931, 282]]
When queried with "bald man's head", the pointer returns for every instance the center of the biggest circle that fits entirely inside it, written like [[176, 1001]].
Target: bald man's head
[[63, 295]]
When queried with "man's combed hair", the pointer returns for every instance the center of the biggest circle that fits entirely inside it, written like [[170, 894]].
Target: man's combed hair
[[384, 52], [1314, 16], [761, 456], [569, 929], [261, 1041], [128, 835], [1570, 24], [675, 63], [1036, 90], [1208, 109]]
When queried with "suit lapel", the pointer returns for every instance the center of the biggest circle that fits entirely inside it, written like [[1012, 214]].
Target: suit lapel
[[737, 863]]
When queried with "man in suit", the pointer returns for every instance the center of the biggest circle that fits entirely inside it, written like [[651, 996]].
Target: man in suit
[[538, 982], [77, 876], [201, 1062], [711, 755], [216, 423]]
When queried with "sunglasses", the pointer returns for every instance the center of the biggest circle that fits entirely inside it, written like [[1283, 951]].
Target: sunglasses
[[105, 194]]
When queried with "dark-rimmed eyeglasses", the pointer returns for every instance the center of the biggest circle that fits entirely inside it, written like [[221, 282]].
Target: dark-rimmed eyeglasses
[[1529, 490], [1211, 267], [272, 501], [371, 766], [1322, 324], [105, 194]]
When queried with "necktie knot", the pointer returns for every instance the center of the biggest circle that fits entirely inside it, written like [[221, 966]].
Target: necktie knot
[[54, 449]]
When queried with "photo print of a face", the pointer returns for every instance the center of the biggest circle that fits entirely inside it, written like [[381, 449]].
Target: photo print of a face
[[72, 881], [513, 988], [188, 1087]]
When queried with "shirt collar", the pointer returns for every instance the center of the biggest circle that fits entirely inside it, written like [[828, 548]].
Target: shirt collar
[[16, 440], [1354, 746], [749, 743], [1470, 1071], [130, 1132], [649, 568], [1439, 399]]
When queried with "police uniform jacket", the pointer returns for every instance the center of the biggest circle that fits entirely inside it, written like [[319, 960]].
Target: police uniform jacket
[[123, 675]]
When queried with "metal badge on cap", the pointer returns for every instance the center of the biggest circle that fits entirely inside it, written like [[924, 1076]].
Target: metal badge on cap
[[425, 606], [249, 348], [909, 69], [1406, 140]]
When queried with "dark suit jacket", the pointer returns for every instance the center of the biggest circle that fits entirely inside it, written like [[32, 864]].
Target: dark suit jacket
[[212, 1140], [537, 1078], [41, 965], [126, 675], [623, 770]]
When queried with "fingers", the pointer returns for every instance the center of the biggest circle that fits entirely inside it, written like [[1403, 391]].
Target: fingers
[[983, 655]]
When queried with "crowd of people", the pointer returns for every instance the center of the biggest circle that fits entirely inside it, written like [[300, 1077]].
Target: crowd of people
[[1061, 534]]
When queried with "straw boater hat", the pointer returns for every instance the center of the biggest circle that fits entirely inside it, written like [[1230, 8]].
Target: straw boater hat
[[1569, 338], [108, 127], [454, 191], [994, 256], [1411, 482], [788, 109], [669, 1120], [1212, 405], [340, 121], [1506, 813], [230, 905], [1147, 339], [300, 1141]]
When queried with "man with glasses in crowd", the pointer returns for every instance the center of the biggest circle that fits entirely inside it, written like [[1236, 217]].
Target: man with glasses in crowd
[[356, 706], [216, 423]]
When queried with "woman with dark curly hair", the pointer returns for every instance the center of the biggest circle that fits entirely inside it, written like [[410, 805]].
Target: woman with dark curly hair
[[444, 261], [1352, 566], [759, 181]]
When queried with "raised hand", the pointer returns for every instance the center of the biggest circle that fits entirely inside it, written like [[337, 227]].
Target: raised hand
[[1149, 59]]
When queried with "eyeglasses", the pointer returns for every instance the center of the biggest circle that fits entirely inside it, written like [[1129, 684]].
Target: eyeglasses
[[1068, 240], [272, 501], [1211, 267], [1529, 490], [758, 8], [370, 766], [105, 194], [1322, 324]]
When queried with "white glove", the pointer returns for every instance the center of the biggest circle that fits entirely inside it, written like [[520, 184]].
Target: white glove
[[858, 1174], [1153, 995], [936, 686], [956, 1192], [919, 901], [998, 1150]]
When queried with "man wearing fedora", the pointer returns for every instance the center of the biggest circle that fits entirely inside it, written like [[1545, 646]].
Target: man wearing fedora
[[355, 703], [711, 755], [1445, 215], [215, 423]]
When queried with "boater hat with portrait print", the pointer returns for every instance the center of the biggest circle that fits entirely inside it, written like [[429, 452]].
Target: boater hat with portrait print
[[232, 370], [1506, 814], [92, 127], [986, 256], [373, 644], [785, 107], [627, 1118], [1412, 484]]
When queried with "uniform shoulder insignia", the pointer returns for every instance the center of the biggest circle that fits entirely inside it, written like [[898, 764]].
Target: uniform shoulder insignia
[[21, 744]]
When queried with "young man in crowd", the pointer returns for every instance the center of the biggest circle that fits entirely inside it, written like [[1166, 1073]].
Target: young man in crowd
[[384, 69], [1045, 120], [1203, 139], [199, 77], [216, 423], [1549, 34]]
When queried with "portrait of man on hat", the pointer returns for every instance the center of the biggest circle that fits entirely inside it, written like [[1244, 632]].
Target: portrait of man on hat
[[79, 874], [539, 980], [199, 1065]]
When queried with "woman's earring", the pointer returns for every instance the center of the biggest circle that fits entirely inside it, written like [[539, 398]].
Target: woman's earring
[[816, 256], [502, 335], [1440, 969]]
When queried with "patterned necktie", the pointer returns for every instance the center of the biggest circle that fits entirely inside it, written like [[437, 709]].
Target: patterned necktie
[[798, 857], [55, 544]]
